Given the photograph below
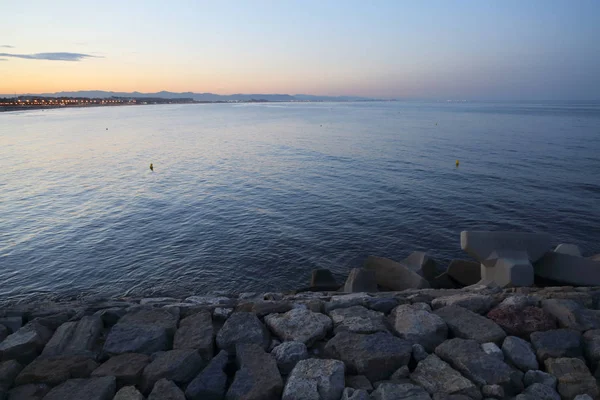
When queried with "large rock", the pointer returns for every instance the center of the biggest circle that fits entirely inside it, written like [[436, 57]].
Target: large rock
[[8, 372], [242, 327], [591, 346], [570, 314], [537, 391], [358, 319], [522, 322], [196, 332], [75, 338], [375, 355], [166, 390], [32, 391], [399, 391], [347, 300], [127, 368], [26, 343], [299, 325], [571, 249], [322, 279], [55, 370], [360, 280], [12, 323], [89, 389], [519, 353], [464, 272], [483, 369], [265, 307], [315, 379], [287, 355], [128, 393], [568, 269], [354, 394], [556, 343], [466, 324], [573, 376], [542, 377], [419, 326], [477, 303], [393, 275], [358, 382], [211, 383], [180, 366], [436, 376], [258, 377]]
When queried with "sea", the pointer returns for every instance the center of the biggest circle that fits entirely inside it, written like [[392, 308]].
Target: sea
[[252, 197]]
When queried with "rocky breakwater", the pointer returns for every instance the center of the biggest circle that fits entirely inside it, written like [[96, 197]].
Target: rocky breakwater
[[471, 343]]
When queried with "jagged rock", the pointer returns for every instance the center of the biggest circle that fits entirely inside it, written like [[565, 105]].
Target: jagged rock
[[287, 355], [167, 318], [75, 338], [180, 366], [568, 269], [242, 327], [519, 302], [375, 355], [418, 352], [52, 320], [13, 324], [358, 382], [542, 377], [493, 350], [571, 249], [401, 374], [222, 313], [519, 353], [466, 273], [8, 372], [572, 315], [466, 324], [128, 393], [492, 391], [299, 325], [522, 322], [556, 343], [399, 391], [591, 346], [422, 306], [381, 304], [126, 368], [346, 300], [323, 279], [355, 394], [26, 343], [477, 303], [360, 280], [55, 370], [111, 316], [573, 377], [32, 391], [357, 319], [483, 369], [165, 389], [211, 383], [419, 326], [313, 378], [219, 301], [196, 332], [537, 391], [265, 307], [436, 376], [89, 389], [395, 276], [258, 377]]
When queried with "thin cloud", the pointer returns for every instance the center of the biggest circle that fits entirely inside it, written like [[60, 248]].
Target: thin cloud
[[6, 46], [51, 56]]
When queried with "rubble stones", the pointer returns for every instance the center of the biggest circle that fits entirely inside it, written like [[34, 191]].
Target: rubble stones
[[299, 325], [313, 378]]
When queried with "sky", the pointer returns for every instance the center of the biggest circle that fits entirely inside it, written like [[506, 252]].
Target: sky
[[421, 49]]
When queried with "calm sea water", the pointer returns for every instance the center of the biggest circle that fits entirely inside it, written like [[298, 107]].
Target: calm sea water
[[253, 197]]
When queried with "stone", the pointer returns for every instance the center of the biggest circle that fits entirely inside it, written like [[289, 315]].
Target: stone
[[3, 332], [443, 281], [55, 370], [258, 377], [358, 319], [583, 397], [477, 303], [591, 346], [466, 273], [167, 318], [218, 301], [542, 377], [26, 343], [470, 360], [242, 327], [180, 366], [375, 355], [568, 269], [165, 389], [397, 391], [158, 300], [358, 382], [522, 322], [519, 353], [111, 316], [492, 391], [32, 391], [322, 278], [222, 313], [299, 325], [126, 368], [354, 394], [571, 249], [418, 326], [360, 280], [393, 275], [13, 324], [196, 332], [53, 321], [422, 264], [418, 352], [381, 304], [570, 314], [128, 393], [287, 355], [211, 383], [265, 307], [493, 350], [556, 343], [75, 338], [466, 324], [346, 300], [573, 377], [537, 391], [401, 374], [314, 378], [437, 376], [89, 389], [8, 372], [519, 302]]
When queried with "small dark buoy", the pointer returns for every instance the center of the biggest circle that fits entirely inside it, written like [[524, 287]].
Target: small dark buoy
[[151, 167]]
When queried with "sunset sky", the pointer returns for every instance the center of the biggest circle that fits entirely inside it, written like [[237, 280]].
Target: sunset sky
[[493, 50]]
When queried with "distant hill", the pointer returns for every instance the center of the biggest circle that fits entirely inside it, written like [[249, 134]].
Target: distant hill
[[198, 96]]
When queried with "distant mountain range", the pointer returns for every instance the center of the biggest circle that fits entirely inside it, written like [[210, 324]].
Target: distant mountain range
[[199, 96]]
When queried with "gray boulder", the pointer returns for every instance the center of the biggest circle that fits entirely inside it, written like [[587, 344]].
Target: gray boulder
[[418, 326], [375, 355], [572, 315], [258, 377], [537, 391], [196, 332], [573, 377], [519, 353], [591, 346], [360, 280], [8, 372], [126, 368], [347, 300], [32, 391], [222, 313], [393, 275], [26, 343], [75, 338], [556, 343], [12, 323], [180, 366], [542, 377], [211, 383], [357, 319], [300, 325], [90, 389], [437, 376], [381, 304], [418, 352], [313, 378], [466, 324], [477, 303], [464, 272], [242, 327], [522, 322], [493, 349], [128, 393], [355, 394], [287, 355], [53, 371], [166, 390], [358, 382], [399, 391]]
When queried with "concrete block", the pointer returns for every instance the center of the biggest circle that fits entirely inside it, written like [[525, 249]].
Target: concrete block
[[571, 249], [481, 244], [568, 269]]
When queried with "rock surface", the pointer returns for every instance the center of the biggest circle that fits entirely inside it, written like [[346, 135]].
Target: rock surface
[[419, 326], [519, 353], [288, 354], [522, 322], [258, 377], [90, 389], [126, 368], [53, 371], [26, 343], [211, 383], [179, 366], [166, 390], [573, 377], [196, 332], [128, 393], [396, 391], [464, 272], [466, 324], [360, 280], [313, 378], [437, 376], [299, 325], [242, 328], [395, 276], [477, 303], [358, 319], [556, 343]]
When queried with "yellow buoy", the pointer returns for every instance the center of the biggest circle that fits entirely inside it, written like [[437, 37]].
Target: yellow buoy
[[152, 166], [457, 163]]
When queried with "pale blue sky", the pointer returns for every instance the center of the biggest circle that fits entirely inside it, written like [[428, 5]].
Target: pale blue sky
[[496, 50]]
